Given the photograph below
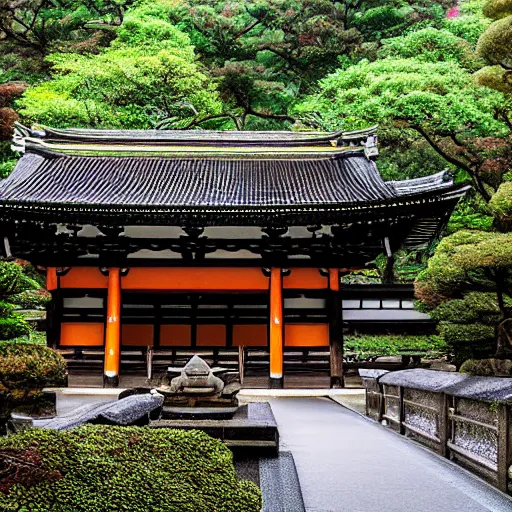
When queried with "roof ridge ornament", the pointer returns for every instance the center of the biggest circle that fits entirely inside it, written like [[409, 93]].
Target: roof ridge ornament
[[23, 133], [18, 137], [371, 149]]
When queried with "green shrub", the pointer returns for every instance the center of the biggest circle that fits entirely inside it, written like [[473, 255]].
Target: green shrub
[[381, 20], [34, 338], [474, 307], [13, 279], [364, 346], [98, 468], [469, 27], [6, 166], [461, 334], [13, 326], [501, 203], [28, 366], [25, 369], [471, 341], [487, 367], [5, 309], [431, 45], [31, 299]]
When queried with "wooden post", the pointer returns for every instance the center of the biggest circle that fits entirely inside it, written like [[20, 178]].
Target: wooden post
[[149, 362], [504, 447], [276, 328], [113, 330], [335, 330], [443, 425], [401, 409], [241, 363], [53, 309]]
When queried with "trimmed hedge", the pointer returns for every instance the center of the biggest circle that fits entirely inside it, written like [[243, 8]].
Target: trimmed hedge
[[487, 367], [364, 346], [25, 369], [98, 468], [27, 366], [31, 299], [461, 334]]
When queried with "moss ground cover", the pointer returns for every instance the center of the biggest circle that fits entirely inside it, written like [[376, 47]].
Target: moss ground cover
[[98, 468]]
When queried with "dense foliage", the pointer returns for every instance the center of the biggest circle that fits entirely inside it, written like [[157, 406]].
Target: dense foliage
[[94, 468], [494, 45], [468, 283], [16, 288], [146, 75], [487, 367], [25, 369], [467, 286]]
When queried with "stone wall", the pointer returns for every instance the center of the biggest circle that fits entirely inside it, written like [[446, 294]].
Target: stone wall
[[467, 419]]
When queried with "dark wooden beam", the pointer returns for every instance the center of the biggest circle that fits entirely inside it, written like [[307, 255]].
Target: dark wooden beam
[[335, 314], [53, 319]]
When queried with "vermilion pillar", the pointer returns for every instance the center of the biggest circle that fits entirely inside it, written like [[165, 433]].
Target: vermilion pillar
[[335, 329], [113, 331], [276, 328], [51, 279]]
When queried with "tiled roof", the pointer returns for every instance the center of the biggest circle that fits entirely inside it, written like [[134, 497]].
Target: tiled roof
[[176, 171]]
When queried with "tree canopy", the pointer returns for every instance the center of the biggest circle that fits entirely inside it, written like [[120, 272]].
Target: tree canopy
[[146, 75], [437, 99], [494, 45]]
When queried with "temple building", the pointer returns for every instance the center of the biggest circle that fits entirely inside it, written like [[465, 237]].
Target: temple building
[[208, 239]]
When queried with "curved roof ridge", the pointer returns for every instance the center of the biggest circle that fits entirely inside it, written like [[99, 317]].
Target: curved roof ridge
[[198, 137], [437, 181]]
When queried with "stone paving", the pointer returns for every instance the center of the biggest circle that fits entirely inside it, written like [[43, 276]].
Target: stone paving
[[346, 463]]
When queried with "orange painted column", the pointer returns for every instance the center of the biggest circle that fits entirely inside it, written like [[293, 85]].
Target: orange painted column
[[335, 311], [276, 328], [334, 279], [113, 330], [51, 279]]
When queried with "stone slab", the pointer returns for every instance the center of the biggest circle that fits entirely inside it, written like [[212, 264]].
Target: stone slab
[[347, 463], [488, 389], [424, 380], [279, 484], [371, 374], [276, 476], [198, 413], [252, 426], [452, 383], [127, 411]]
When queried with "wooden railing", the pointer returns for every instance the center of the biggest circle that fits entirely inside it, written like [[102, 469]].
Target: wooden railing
[[466, 419]]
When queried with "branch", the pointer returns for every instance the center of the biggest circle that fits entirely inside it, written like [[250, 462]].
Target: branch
[[459, 144], [505, 118], [196, 122], [246, 30], [278, 117], [454, 161], [289, 59]]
